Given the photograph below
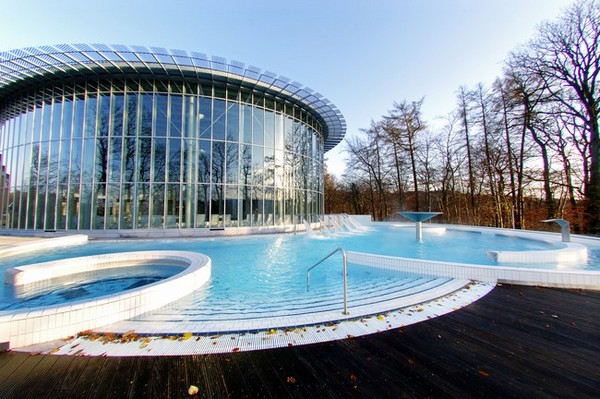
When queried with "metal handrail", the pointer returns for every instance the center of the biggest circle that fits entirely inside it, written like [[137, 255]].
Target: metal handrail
[[344, 272]]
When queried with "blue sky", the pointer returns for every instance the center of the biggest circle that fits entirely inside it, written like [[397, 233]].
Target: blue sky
[[361, 55]]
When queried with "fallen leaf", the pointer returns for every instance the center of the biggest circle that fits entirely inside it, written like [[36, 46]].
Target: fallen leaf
[[291, 380], [353, 378], [235, 349], [484, 373], [192, 390], [410, 361], [186, 336], [380, 317]]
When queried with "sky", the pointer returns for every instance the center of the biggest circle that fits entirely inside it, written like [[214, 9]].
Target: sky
[[361, 55]]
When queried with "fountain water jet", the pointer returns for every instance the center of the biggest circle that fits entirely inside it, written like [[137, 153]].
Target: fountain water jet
[[419, 217]]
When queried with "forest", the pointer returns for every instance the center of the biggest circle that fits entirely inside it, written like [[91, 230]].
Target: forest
[[512, 153]]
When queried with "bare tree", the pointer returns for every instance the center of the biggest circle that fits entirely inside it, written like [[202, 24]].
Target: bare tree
[[565, 56]]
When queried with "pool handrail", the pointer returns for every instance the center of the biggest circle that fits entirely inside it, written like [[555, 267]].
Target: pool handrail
[[344, 274]]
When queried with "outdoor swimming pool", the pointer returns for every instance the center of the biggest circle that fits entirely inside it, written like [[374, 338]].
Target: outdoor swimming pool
[[254, 276], [259, 283]]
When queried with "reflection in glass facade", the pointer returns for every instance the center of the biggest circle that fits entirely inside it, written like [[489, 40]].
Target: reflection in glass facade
[[126, 151]]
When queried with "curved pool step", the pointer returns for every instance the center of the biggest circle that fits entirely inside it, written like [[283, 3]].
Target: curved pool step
[[164, 323], [319, 301]]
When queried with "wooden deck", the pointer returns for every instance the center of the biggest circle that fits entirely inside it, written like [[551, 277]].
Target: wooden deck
[[517, 342]]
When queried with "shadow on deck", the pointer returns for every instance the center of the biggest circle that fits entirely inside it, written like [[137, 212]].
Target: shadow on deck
[[515, 342]]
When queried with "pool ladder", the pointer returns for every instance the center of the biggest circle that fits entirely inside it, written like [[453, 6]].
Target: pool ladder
[[344, 273]]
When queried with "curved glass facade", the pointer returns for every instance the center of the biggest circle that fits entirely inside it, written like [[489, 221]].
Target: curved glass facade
[[126, 151]]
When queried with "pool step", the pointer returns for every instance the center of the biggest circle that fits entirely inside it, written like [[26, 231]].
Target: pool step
[[370, 300]]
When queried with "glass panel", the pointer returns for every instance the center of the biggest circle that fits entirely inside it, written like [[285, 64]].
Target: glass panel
[[189, 158], [258, 173], [233, 122], [268, 206], [188, 212], [85, 206], [99, 206], [132, 85], [117, 115], [246, 205], [27, 164], [64, 163], [278, 205], [233, 92], [279, 132], [89, 128], [147, 107], [143, 203], [279, 168], [205, 117], [245, 164], [202, 216], [231, 206], [204, 162], [56, 121], [162, 102], [258, 131], [257, 206], [78, 118], [269, 167], [173, 206], [144, 159], [159, 163], [218, 161], [158, 205], [112, 206], [217, 206], [131, 122], [161, 86], [115, 159], [176, 115], [289, 134], [129, 170], [32, 192], [67, 120], [220, 92], [127, 204], [103, 115], [246, 124], [269, 129], [101, 160], [37, 125], [232, 162], [219, 120], [174, 160]]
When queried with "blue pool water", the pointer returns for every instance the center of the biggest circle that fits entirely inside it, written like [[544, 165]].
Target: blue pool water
[[252, 275], [83, 286]]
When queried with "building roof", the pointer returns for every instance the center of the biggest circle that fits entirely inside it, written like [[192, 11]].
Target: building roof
[[20, 65]]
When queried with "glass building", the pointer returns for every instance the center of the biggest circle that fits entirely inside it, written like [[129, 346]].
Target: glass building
[[98, 137]]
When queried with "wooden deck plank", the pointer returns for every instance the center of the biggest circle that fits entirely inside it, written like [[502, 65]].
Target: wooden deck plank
[[515, 342]]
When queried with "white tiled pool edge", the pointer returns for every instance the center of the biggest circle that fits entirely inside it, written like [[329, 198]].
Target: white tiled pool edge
[[512, 275], [30, 326], [45, 243]]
